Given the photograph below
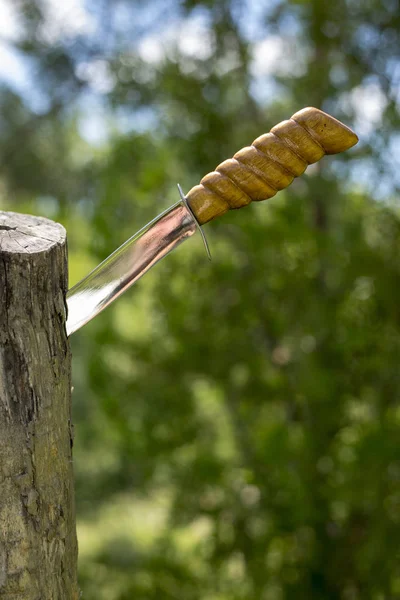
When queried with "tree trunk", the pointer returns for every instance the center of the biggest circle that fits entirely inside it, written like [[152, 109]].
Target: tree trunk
[[38, 547]]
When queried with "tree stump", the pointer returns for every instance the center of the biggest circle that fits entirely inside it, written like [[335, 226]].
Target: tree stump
[[38, 546]]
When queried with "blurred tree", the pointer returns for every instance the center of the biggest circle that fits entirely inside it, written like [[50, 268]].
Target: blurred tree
[[237, 424]]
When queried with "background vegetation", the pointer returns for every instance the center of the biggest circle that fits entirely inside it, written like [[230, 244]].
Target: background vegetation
[[237, 423]]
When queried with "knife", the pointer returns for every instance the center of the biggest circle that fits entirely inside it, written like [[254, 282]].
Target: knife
[[256, 172]]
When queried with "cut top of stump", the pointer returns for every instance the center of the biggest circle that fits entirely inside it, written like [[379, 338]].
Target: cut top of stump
[[26, 234]]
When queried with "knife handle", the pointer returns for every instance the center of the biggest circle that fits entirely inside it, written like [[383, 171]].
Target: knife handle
[[270, 164]]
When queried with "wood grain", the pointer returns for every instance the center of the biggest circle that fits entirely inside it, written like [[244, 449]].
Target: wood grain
[[38, 547], [270, 164]]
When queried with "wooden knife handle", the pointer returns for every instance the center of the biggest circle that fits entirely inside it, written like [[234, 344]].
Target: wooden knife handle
[[270, 164]]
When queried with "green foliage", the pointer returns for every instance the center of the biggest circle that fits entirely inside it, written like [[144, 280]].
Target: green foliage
[[237, 423]]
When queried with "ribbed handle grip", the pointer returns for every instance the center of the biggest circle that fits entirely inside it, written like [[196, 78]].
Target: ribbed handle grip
[[270, 164]]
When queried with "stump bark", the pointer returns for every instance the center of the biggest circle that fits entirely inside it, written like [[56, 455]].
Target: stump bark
[[38, 546]]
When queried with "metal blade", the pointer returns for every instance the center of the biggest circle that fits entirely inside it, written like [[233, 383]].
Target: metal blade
[[128, 263]]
